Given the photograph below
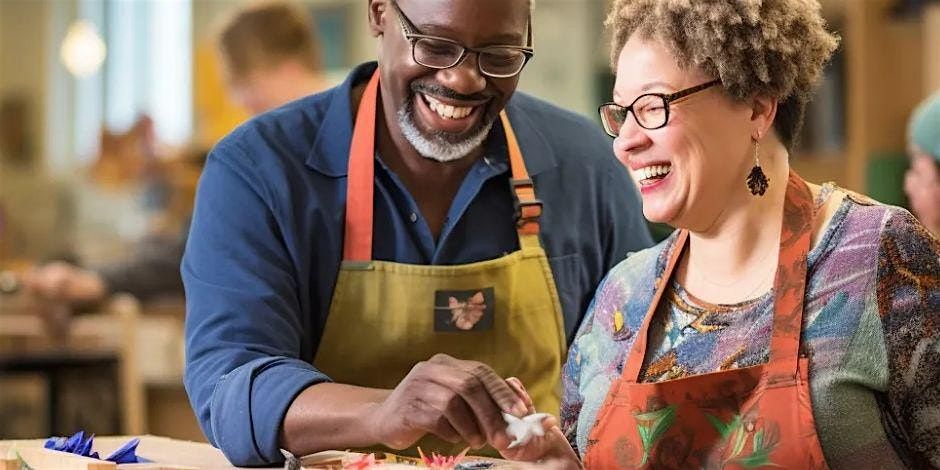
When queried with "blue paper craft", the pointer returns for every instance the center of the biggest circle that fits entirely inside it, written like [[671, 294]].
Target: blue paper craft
[[127, 453], [79, 445]]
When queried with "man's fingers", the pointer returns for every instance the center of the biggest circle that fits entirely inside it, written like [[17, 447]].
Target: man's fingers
[[467, 388], [549, 423], [439, 403], [504, 396], [427, 414], [463, 420], [520, 390], [484, 391]]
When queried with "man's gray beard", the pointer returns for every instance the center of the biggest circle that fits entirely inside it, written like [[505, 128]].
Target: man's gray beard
[[439, 146]]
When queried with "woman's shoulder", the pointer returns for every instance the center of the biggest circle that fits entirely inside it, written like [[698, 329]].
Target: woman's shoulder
[[644, 263], [887, 236], [864, 221], [886, 223], [626, 291]]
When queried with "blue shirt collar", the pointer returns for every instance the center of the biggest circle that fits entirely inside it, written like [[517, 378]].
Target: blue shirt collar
[[330, 152]]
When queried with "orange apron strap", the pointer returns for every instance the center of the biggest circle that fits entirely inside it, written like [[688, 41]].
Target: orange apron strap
[[528, 207], [631, 371], [357, 241], [790, 281]]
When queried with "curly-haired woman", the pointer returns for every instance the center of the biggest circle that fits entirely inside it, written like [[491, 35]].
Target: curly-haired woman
[[785, 324]]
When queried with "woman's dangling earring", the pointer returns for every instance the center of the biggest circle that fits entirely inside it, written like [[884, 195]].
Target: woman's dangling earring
[[757, 181]]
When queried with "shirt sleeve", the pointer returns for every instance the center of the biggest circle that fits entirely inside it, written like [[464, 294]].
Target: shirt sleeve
[[572, 400], [908, 295], [243, 324]]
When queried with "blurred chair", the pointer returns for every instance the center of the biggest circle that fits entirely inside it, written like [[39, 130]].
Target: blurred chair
[[89, 364]]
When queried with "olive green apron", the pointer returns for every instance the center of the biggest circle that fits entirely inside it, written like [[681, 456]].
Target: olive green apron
[[385, 317]]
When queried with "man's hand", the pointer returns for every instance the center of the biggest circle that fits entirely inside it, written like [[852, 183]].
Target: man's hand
[[61, 281], [453, 399]]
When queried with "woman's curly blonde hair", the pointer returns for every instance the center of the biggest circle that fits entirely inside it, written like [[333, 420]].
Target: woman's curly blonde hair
[[772, 47]]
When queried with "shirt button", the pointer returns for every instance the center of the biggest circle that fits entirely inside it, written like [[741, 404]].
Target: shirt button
[[414, 217]]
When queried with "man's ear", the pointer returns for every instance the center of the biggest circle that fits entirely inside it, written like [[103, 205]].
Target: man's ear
[[377, 12], [763, 112]]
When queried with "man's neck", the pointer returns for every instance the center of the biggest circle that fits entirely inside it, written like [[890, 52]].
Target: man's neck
[[432, 184]]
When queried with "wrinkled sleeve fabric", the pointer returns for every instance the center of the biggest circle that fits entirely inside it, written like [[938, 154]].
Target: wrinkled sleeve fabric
[[243, 325], [572, 400], [908, 295]]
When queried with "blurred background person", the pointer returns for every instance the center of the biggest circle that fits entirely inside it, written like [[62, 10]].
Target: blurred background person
[[269, 56], [922, 181]]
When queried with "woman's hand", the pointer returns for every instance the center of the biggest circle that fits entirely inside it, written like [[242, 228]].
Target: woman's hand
[[551, 449]]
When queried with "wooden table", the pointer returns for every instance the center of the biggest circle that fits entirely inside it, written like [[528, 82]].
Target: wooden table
[[165, 453]]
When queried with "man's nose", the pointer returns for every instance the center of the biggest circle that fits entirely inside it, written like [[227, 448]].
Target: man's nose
[[464, 78]]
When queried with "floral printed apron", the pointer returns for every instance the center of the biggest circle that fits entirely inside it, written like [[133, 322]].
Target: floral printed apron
[[753, 417]]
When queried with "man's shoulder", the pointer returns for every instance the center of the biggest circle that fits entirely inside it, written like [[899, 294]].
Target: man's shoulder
[[284, 133], [562, 122], [574, 138]]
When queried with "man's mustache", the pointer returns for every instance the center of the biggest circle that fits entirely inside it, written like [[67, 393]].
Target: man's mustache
[[438, 90]]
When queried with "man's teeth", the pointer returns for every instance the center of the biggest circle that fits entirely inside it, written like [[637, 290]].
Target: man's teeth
[[652, 171], [446, 110]]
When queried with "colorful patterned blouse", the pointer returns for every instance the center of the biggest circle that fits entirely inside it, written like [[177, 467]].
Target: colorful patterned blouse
[[871, 329]]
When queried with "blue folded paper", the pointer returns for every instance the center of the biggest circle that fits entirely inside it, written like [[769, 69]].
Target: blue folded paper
[[80, 445]]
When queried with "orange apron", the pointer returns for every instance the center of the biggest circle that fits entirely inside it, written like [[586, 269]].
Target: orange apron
[[385, 317], [759, 416]]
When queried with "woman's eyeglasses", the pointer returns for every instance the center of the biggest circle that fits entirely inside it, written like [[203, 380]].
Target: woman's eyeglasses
[[650, 110]]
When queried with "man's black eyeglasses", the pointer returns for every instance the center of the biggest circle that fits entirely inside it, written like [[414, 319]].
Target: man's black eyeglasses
[[441, 53]]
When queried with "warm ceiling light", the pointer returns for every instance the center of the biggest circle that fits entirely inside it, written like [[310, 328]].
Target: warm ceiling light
[[83, 51]]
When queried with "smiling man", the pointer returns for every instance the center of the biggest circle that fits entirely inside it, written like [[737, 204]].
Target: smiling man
[[367, 265]]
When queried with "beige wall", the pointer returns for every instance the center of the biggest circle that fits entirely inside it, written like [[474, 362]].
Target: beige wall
[[23, 62], [931, 56]]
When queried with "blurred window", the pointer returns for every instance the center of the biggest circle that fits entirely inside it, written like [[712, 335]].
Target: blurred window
[[147, 70]]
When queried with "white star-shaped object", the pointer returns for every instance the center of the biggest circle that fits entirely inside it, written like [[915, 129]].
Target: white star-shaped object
[[524, 428]]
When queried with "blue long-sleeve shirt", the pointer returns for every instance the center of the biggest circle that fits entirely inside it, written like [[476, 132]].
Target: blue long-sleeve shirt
[[265, 245]]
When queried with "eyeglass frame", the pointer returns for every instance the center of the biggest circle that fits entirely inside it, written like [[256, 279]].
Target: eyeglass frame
[[668, 98], [411, 33]]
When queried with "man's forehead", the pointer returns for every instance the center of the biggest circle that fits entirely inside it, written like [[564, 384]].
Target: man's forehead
[[489, 19]]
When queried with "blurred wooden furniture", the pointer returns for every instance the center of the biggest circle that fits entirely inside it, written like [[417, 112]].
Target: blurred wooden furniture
[[164, 453], [892, 62], [43, 340]]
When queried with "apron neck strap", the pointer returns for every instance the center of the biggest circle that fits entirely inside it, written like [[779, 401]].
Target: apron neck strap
[[528, 208], [357, 241], [789, 284], [360, 183]]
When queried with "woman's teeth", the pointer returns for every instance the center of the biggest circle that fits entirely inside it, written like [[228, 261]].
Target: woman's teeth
[[447, 111], [653, 172]]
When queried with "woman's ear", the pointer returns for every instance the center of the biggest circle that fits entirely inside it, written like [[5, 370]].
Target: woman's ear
[[377, 11], [763, 112]]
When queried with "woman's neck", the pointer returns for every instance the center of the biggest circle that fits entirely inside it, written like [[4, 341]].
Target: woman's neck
[[736, 257]]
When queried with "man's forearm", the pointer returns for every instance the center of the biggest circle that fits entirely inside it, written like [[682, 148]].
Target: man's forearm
[[330, 416]]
